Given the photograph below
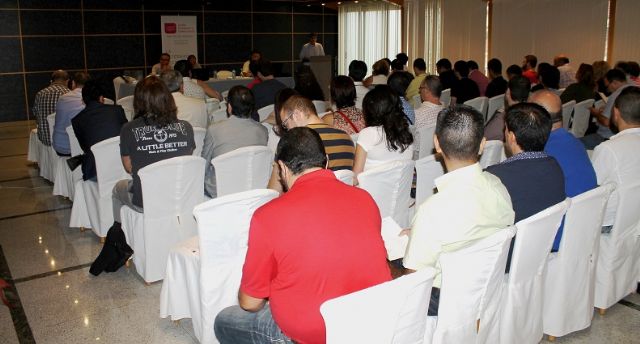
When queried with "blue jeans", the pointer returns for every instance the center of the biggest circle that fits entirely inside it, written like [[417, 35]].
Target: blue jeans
[[237, 326]]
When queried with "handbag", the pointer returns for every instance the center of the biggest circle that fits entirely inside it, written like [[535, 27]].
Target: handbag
[[114, 254]]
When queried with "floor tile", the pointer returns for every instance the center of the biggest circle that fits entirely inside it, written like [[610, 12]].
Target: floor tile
[[7, 332]]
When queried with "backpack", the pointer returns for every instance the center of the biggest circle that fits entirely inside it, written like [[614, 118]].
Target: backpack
[[115, 252]]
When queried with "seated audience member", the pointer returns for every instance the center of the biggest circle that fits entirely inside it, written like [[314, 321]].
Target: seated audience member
[[427, 113], [513, 71], [155, 134], [447, 76], [193, 62], [162, 66], [347, 117], [45, 102], [254, 67], [95, 123], [357, 72], [67, 107], [193, 87], [497, 85], [306, 83], [482, 203], [583, 89], [237, 131], [420, 72], [192, 110], [529, 68], [517, 92], [567, 75], [298, 270], [465, 89], [255, 56], [387, 136], [478, 77], [379, 73], [600, 69], [265, 91], [397, 66], [274, 118], [634, 72], [403, 59], [398, 82], [548, 78], [568, 151], [617, 160], [625, 68], [616, 83]]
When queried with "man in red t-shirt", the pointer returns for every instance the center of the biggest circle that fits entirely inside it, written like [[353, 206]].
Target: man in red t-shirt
[[318, 241], [529, 68]]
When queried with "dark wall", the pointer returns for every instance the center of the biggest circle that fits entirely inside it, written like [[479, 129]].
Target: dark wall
[[106, 37]]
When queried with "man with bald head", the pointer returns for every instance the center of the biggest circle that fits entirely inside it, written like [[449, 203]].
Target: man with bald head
[[579, 175], [45, 103]]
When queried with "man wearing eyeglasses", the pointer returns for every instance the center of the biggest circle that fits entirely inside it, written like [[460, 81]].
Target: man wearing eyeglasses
[[162, 66]]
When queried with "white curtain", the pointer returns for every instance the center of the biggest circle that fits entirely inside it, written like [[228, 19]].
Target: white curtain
[[367, 31], [423, 31], [545, 28], [627, 31], [464, 24]]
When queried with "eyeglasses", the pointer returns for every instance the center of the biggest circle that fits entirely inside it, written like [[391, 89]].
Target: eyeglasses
[[286, 120]]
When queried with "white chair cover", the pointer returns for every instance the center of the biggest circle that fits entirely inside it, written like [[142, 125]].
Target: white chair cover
[[492, 153], [425, 136], [127, 106], [273, 139], [198, 136], [390, 186], [354, 138], [79, 215], [171, 188], [472, 282], [581, 117], [117, 82], [445, 97], [48, 157], [108, 101], [218, 115], [65, 178], [345, 176], [567, 110], [320, 105], [427, 170], [391, 312], [32, 153], [495, 103], [479, 103], [180, 293], [243, 169], [264, 112], [600, 103], [618, 260], [521, 319], [569, 281]]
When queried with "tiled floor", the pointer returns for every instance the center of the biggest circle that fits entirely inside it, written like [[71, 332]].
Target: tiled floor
[[63, 303]]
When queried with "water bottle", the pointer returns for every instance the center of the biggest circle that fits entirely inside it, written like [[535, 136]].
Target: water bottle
[[215, 74], [233, 74]]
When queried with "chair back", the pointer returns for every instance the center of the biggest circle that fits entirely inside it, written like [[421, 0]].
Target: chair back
[[581, 117], [445, 97], [272, 141], [198, 137], [480, 104], [109, 168], [600, 103], [73, 142], [427, 170], [626, 221], [218, 115], [223, 246], [567, 110], [426, 140], [127, 106], [472, 281], [117, 82], [320, 105], [390, 185], [243, 169], [495, 103], [108, 101], [345, 176], [492, 153], [354, 138], [51, 121], [264, 112], [391, 312]]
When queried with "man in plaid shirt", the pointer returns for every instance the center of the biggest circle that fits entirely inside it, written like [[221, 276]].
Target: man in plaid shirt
[[45, 103]]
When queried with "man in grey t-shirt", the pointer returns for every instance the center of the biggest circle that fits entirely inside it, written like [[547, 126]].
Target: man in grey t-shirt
[[237, 131]]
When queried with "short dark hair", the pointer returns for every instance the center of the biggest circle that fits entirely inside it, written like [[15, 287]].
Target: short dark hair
[[313, 34], [183, 67], [81, 78], [514, 70], [472, 64], [397, 65], [531, 125], [432, 82], [419, 64], [628, 103], [92, 91], [634, 69], [357, 70], [615, 75], [399, 81], [242, 101], [443, 63], [462, 68], [532, 60], [584, 75], [459, 131], [402, 57], [343, 91], [495, 66], [266, 68], [623, 66], [549, 75], [519, 86], [300, 149]]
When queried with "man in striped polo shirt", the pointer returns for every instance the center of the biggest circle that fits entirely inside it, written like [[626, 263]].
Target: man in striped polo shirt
[[299, 111]]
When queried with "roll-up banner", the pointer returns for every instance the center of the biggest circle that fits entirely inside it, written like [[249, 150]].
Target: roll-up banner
[[179, 36]]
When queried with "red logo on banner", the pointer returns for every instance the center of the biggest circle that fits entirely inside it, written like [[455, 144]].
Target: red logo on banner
[[170, 28]]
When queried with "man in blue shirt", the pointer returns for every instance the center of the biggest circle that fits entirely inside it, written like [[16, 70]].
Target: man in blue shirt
[[579, 175], [67, 107]]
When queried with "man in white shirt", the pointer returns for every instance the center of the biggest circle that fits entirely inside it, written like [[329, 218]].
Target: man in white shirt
[[567, 74], [357, 72], [162, 66], [192, 110], [313, 48], [470, 204], [617, 159], [427, 114]]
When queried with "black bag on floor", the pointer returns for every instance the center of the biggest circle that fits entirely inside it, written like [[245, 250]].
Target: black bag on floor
[[114, 254]]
